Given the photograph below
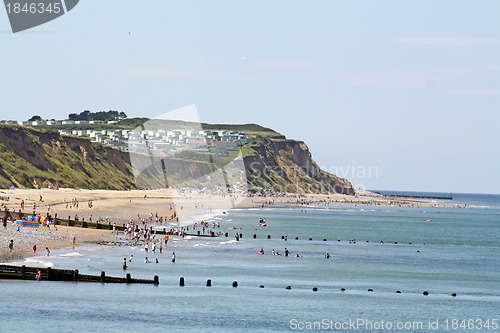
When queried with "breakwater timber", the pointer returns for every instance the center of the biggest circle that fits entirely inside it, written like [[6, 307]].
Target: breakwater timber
[[49, 274]]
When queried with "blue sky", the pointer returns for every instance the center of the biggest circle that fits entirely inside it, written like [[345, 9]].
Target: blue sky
[[393, 95]]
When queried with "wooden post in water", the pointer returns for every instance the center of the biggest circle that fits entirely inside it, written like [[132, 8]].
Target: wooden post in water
[[103, 276], [209, 283], [128, 279], [23, 271], [156, 280], [75, 275], [50, 274], [181, 282]]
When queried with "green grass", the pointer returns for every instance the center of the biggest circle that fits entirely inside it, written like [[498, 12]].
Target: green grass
[[156, 124]]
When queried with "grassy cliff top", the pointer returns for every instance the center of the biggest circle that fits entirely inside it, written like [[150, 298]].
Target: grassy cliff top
[[253, 130]]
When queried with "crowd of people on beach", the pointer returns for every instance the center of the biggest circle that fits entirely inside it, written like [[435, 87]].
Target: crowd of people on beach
[[144, 229]]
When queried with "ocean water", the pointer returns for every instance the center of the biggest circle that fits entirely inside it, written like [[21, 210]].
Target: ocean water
[[458, 251]]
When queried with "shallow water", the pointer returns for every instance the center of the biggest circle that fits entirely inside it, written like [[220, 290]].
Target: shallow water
[[457, 252]]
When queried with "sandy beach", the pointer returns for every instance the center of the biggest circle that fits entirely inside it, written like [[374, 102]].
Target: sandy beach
[[122, 206]]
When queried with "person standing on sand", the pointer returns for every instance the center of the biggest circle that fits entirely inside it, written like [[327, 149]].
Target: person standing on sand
[[34, 249], [5, 223], [11, 245], [48, 251]]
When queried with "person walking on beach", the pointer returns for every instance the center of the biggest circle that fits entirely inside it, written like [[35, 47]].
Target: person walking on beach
[[34, 249], [11, 245], [173, 257], [48, 251], [5, 222]]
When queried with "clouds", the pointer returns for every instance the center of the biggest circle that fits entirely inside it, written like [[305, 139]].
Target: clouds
[[490, 92], [388, 79], [446, 41], [172, 73], [285, 65]]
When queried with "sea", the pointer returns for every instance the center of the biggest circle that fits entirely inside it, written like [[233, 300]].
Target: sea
[[383, 259]]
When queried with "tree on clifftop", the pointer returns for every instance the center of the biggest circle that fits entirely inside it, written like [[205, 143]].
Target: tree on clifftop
[[100, 115], [35, 118]]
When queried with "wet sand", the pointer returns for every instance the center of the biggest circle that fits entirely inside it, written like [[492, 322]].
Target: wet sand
[[122, 206]]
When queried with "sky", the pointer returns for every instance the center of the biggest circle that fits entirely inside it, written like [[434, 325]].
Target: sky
[[392, 95]]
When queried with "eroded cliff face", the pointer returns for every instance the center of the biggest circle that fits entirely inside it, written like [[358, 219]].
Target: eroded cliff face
[[34, 159], [287, 166]]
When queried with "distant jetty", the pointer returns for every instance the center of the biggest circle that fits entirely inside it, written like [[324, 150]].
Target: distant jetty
[[416, 196]]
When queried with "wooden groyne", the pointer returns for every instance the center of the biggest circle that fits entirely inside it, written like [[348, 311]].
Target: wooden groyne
[[437, 197], [49, 274], [18, 215]]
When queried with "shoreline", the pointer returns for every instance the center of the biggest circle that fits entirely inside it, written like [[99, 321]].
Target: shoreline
[[120, 207]]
